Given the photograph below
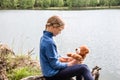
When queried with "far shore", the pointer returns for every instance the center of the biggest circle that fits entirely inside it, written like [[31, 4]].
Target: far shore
[[67, 8]]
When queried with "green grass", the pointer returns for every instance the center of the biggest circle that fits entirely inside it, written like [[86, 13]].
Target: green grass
[[21, 66], [19, 73]]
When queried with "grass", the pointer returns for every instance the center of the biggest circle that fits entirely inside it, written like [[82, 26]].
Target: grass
[[16, 67], [19, 73], [20, 66]]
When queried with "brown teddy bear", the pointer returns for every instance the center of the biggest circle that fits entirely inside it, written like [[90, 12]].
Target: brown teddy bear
[[80, 54]]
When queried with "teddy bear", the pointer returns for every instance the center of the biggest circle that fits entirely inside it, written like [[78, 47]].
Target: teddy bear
[[80, 54]]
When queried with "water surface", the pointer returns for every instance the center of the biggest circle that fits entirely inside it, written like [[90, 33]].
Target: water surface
[[98, 29]]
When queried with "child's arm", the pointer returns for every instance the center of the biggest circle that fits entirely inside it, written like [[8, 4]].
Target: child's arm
[[65, 59]]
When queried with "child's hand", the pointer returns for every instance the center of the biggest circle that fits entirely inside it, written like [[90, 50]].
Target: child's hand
[[73, 62], [63, 59]]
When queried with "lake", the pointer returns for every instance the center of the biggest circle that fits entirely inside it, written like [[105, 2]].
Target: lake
[[98, 29]]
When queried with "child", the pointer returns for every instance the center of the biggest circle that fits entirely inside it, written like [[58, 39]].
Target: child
[[52, 66]]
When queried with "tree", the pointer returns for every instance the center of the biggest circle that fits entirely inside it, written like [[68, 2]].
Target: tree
[[102, 2], [60, 3], [38, 3], [115, 2], [57, 3], [93, 2], [118, 2], [83, 3], [45, 3], [0, 3], [14, 3], [69, 3], [54, 3], [65, 3], [8, 3], [26, 4]]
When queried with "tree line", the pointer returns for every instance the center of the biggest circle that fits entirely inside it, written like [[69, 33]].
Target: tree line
[[42, 4]]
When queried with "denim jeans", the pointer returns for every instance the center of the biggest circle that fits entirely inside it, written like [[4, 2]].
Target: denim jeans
[[80, 71]]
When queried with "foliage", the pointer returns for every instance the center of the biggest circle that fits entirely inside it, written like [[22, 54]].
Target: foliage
[[19, 73], [69, 3], [60, 3], [45, 3], [15, 67], [84, 3], [93, 2], [30, 4], [57, 3], [21, 66], [102, 2], [38, 3], [8, 3], [26, 4], [65, 3]]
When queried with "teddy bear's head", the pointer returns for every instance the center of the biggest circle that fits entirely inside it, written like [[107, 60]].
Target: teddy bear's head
[[80, 54], [82, 50]]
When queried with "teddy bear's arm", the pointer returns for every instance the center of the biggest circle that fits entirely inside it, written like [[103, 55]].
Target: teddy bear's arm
[[65, 59], [75, 56]]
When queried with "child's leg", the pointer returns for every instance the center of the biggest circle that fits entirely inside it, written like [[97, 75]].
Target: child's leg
[[76, 70]]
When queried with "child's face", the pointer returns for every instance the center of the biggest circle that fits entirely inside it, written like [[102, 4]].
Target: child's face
[[57, 30]]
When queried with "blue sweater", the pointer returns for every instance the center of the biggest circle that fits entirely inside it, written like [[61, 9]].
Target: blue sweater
[[50, 65]]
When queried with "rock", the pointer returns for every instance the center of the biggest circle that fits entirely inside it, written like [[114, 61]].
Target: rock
[[34, 78], [5, 50], [95, 72], [9, 61]]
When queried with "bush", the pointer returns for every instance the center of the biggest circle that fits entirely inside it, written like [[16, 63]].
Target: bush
[[19, 73], [45, 3], [11, 4], [26, 4], [15, 67]]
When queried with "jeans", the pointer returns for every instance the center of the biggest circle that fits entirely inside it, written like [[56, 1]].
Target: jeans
[[79, 70]]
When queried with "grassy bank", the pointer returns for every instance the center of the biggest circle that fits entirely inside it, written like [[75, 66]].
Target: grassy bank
[[80, 8], [22, 66], [19, 66], [67, 8], [16, 67]]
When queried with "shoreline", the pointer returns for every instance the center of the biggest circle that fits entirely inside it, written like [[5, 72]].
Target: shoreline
[[67, 8]]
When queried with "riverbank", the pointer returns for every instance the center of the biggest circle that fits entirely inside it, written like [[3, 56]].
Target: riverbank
[[16, 67], [79, 8], [67, 8]]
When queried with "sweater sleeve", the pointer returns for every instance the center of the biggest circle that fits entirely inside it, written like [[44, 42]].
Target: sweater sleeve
[[52, 56]]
